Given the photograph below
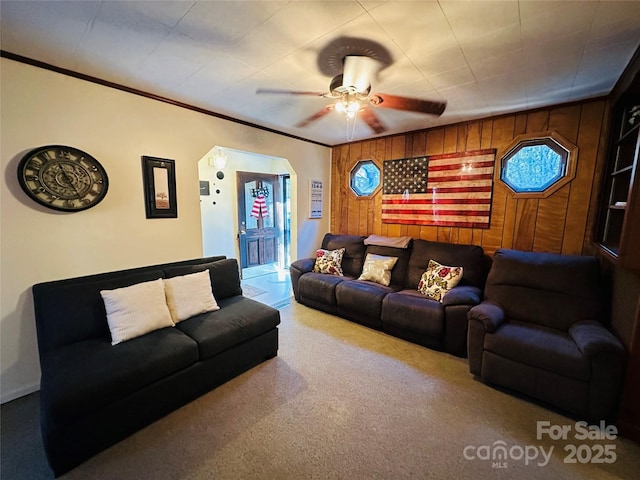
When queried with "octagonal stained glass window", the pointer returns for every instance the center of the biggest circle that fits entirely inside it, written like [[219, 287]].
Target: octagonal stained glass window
[[533, 166], [365, 178]]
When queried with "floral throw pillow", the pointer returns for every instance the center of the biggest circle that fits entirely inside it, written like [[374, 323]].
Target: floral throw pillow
[[378, 269], [438, 280], [329, 261]]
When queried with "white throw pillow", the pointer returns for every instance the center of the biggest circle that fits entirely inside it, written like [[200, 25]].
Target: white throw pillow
[[377, 268], [189, 295], [136, 310]]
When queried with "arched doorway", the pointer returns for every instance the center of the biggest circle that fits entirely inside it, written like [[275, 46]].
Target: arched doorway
[[225, 202]]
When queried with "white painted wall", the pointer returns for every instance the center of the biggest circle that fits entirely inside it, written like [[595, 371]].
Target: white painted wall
[[39, 107]]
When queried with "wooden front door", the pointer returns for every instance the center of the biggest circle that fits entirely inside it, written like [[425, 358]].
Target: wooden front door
[[258, 194]]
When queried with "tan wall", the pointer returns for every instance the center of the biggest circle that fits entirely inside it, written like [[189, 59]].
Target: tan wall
[[39, 107], [561, 223]]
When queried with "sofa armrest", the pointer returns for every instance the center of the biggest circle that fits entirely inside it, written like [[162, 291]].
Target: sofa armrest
[[608, 361], [296, 270], [489, 314], [594, 339], [484, 319], [462, 295], [304, 265], [457, 303]]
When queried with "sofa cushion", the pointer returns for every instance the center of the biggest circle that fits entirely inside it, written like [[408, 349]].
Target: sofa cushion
[[411, 311], [378, 269], [329, 261], [72, 310], [470, 257], [361, 301], [135, 310], [239, 319], [353, 257], [545, 288], [319, 288], [546, 348], [438, 279], [225, 280], [189, 295], [88, 375], [399, 272]]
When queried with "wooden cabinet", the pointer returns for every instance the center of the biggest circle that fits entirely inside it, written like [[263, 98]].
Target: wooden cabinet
[[619, 222]]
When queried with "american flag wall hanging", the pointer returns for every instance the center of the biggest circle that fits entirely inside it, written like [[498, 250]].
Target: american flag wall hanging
[[452, 190]]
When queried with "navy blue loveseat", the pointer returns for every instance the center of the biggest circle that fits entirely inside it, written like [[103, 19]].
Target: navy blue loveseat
[[94, 394]]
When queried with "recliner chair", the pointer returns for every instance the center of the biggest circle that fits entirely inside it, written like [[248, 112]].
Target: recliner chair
[[541, 331]]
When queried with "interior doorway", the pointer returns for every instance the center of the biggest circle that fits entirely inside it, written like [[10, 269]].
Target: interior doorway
[[220, 205], [264, 222]]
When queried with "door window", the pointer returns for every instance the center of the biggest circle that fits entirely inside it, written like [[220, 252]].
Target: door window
[[258, 198]]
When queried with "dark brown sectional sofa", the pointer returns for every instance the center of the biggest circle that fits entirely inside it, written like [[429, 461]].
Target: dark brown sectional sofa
[[537, 325], [398, 309]]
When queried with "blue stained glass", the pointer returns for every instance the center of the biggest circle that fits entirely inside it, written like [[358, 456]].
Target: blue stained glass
[[533, 168], [365, 178]]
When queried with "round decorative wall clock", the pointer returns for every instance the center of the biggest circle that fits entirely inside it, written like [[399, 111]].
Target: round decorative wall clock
[[63, 178]]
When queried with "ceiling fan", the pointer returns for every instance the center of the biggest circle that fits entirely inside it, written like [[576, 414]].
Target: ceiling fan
[[352, 90]]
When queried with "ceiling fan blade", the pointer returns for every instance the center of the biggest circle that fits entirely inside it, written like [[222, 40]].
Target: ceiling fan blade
[[359, 71], [405, 103], [290, 92], [316, 116], [369, 116]]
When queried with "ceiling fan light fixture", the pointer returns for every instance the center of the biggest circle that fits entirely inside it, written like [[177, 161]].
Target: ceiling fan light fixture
[[353, 70], [349, 108], [349, 105]]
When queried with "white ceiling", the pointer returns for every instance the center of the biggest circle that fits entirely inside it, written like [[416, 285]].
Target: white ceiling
[[483, 57]]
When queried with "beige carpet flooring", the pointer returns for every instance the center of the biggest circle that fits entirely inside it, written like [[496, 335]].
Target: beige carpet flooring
[[345, 402]]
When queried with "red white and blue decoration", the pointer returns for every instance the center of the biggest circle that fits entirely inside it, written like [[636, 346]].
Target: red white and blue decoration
[[451, 190], [259, 209]]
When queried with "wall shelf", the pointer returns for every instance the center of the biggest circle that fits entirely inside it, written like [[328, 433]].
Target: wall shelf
[[618, 235], [618, 232], [628, 168]]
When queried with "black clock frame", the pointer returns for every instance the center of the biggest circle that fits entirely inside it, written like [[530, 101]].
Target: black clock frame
[[63, 153]]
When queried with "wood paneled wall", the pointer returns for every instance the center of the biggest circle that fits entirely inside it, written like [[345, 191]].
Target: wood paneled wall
[[561, 223]]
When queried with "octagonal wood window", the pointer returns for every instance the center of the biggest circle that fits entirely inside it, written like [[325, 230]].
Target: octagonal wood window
[[537, 165], [364, 178]]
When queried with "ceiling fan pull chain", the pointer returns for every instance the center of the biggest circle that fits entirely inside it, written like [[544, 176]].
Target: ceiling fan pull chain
[[351, 126]]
